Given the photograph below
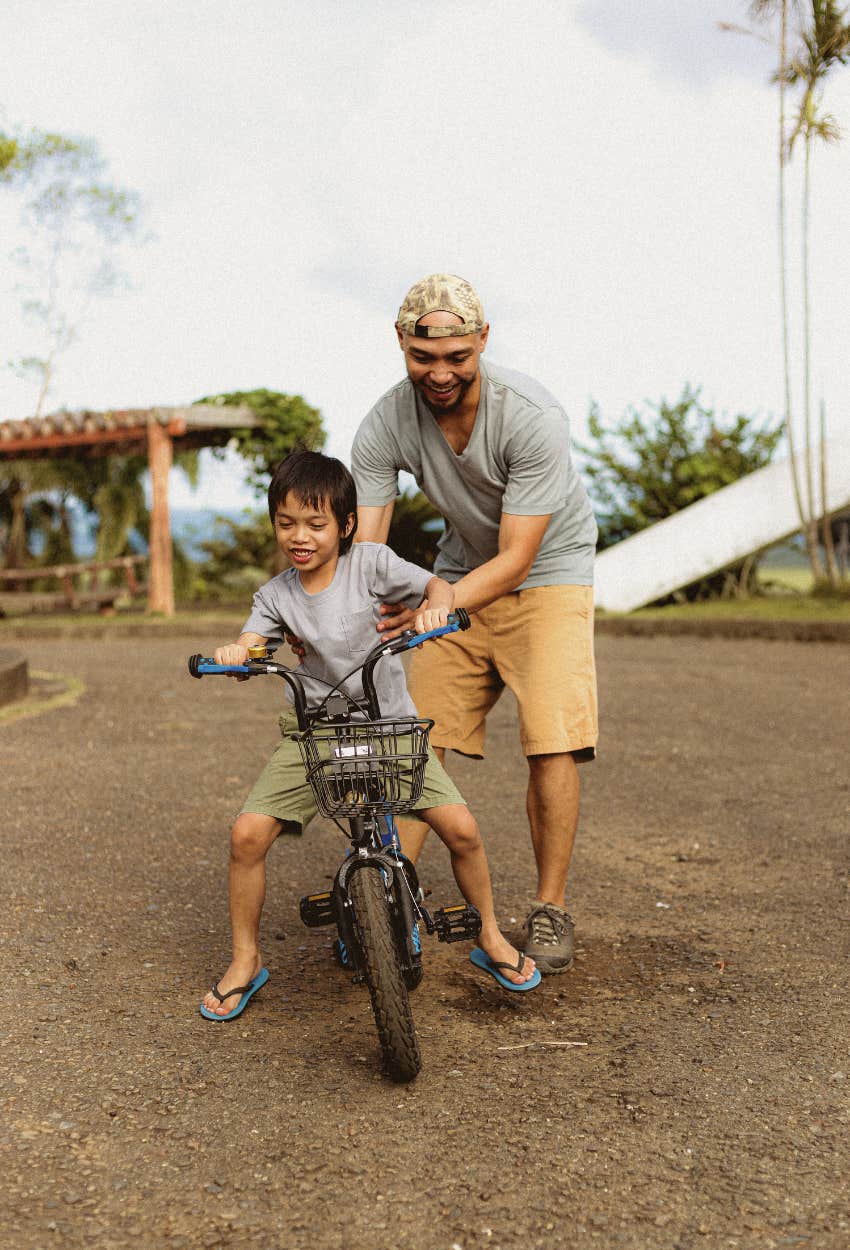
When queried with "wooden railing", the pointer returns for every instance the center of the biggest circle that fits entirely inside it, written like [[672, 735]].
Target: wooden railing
[[73, 595]]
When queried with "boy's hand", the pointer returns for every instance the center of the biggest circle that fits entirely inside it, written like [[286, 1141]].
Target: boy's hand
[[395, 619], [232, 653]]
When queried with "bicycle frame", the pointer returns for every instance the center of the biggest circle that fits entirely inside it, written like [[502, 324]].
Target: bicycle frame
[[371, 845]]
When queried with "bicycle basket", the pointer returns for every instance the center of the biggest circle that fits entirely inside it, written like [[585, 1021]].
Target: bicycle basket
[[366, 766]]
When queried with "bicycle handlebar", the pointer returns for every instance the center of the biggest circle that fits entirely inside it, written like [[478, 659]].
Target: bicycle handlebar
[[200, 666]]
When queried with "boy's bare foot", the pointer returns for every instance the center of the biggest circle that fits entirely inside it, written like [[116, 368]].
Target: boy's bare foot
[[240, 972], [500, 951]]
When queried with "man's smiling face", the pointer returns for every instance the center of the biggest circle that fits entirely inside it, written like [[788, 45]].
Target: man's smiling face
[[442, 370]]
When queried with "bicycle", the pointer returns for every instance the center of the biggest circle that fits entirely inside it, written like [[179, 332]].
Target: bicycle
[[368, 769]]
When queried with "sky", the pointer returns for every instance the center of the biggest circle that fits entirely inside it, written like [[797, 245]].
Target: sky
[[608, 185]]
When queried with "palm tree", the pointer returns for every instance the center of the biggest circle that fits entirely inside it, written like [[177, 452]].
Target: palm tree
[[825, 43]]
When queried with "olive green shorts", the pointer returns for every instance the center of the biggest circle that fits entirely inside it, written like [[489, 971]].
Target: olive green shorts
[[283, 792]]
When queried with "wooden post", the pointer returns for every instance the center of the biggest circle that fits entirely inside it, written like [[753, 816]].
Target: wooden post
[[161, 580]]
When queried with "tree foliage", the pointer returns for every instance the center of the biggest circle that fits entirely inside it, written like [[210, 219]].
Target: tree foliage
[[239, 556], [646, 466], [415, 529], [287, 422], [74, 222]]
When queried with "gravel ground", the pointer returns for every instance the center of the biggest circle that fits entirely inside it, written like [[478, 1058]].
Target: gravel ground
[[684, 1086]]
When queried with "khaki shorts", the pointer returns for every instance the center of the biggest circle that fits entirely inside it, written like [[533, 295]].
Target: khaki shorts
[[283, 791], [539, 643]]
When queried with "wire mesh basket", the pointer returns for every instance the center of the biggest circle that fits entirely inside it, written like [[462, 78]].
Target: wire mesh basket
[[366, 766]]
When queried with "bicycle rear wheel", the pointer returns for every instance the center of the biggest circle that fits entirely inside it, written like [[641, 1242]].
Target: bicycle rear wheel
[[387, 990]]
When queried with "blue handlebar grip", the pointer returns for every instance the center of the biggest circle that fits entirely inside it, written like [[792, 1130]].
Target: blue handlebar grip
[[209, 666], [451, 628], [199, 665]]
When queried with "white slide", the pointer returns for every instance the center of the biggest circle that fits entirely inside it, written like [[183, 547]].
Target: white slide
[[755, 512]]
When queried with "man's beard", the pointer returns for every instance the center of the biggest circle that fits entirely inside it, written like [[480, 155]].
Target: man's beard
[[443, 410]]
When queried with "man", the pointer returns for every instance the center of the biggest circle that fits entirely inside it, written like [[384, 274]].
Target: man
[[490, 448]]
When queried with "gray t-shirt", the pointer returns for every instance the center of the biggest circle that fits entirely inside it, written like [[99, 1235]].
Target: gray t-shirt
[[517, 461], [337, 625]]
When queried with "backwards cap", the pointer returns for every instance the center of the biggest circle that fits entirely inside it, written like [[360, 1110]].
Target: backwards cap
[[441, 292]]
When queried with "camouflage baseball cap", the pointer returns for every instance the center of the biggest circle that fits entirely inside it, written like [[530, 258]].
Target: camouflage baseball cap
[[441, 292]]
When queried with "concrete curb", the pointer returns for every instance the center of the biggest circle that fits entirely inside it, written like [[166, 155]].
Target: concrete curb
[[777, 631], [624, 626]]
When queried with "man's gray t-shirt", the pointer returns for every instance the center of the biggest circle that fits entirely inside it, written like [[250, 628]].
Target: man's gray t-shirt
[[517, 461], [337, 625]]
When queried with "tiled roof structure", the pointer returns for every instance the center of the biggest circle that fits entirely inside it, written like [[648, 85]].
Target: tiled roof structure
[[121, 430]]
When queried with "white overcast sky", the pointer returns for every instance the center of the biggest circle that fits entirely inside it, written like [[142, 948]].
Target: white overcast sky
[[602, 172]]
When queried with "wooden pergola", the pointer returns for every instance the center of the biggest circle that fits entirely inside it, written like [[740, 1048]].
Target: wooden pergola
[[131, 431]]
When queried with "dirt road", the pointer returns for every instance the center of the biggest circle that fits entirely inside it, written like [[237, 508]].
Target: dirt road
[[684, 1086]]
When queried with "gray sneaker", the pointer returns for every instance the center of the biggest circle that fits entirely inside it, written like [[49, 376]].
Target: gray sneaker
[[549, 938]]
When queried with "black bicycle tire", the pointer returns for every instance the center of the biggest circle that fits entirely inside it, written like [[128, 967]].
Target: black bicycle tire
[[387, 990]]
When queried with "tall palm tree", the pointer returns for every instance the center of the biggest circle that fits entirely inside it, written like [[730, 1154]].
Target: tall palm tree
[[825, 43]]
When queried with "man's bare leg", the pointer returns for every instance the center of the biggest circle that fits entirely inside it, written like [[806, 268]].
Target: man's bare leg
[[553, 806], [250, 839], [553, 803], [412, 833]]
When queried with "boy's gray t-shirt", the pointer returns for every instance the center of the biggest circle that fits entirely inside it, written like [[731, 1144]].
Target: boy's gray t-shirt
[[518, 461], [337, 625]]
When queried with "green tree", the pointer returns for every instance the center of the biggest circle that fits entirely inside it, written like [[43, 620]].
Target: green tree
[[20, 155], [647, 466], [415, 529], [286, 422], [241, 556], [75, 223]]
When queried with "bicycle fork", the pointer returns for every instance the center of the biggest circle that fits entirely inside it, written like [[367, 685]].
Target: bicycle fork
[[404, 895]]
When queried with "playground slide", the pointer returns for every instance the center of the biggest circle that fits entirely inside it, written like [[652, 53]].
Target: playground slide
[[713, 533]]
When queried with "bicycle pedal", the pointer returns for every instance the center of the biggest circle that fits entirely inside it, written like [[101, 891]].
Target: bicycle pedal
[[456, 924], [317, 910]]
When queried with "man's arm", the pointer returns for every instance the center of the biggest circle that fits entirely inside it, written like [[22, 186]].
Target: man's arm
[[519, 540], [373, 523]]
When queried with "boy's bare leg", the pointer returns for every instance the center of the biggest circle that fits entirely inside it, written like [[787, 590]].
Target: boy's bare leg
[[412, 833], [250, 839], [455, 825]]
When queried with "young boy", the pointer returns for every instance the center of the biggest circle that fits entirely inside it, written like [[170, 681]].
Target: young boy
[[330, 598]]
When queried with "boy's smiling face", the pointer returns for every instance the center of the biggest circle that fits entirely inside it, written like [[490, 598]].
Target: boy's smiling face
[[309, 537]]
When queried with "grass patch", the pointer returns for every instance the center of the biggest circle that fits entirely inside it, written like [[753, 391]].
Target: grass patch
[[47, 692], [185, 621], [796, 579], [762, 608]]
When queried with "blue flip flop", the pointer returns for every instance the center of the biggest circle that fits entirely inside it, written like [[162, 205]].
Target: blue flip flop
[[247, 992], [482, 960]]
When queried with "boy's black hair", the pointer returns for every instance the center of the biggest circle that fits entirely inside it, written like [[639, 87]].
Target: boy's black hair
[[317, 481]]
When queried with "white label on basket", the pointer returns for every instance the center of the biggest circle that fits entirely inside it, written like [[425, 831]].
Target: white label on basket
[[347, 753]]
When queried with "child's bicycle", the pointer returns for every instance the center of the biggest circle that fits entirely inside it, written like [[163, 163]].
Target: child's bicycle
[[368, 769]]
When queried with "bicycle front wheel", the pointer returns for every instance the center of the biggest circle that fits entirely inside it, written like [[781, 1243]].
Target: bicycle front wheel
[[387, 990]]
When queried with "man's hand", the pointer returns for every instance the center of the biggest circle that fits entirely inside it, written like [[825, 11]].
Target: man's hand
[[295, 644], [430, 618], [395, 619]]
